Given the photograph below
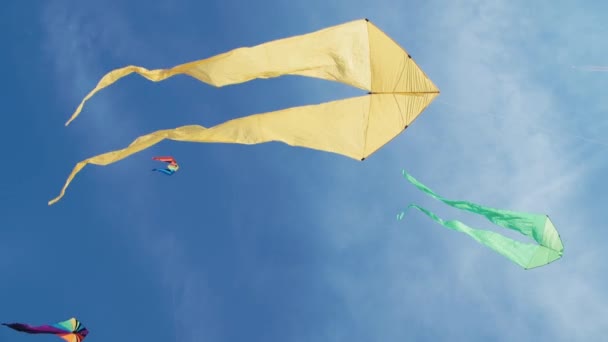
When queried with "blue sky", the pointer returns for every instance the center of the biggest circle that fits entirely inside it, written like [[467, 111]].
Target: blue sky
[[275, 243]]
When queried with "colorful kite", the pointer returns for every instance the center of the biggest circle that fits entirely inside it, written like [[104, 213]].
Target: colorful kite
[[355, 53], [71, 330], [538, 227], [171, 168]]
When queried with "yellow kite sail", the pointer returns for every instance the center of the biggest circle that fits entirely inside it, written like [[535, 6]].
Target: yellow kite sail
[[355, 53]]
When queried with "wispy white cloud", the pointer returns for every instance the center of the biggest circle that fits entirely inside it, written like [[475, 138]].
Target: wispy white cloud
[[437, 279]]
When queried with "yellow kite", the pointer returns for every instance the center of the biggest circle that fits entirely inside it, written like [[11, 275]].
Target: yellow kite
[[356, 53]]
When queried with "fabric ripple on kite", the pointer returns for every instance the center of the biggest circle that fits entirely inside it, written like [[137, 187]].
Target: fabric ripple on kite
[[356, 53], [70, 330], [539, 227]]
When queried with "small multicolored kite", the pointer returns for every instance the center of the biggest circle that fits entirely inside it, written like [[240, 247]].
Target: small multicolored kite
[[71, 330], [171, 168]]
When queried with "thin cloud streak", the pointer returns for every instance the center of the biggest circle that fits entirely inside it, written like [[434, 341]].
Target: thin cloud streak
[[482, 163]]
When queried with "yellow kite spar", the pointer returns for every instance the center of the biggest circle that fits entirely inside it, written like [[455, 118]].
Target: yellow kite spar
[[356, 53]]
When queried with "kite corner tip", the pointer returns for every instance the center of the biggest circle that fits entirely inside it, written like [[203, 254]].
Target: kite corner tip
[[366, 19]]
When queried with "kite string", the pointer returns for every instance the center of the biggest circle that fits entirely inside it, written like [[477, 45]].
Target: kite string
[[561, 133]]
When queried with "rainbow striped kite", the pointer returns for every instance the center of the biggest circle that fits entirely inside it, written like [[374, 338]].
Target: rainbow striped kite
[[71, 330]]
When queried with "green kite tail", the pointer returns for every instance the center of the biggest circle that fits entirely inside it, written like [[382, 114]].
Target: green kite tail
[[539, 227]]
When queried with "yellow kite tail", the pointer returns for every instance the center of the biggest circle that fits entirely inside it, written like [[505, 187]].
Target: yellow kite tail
[[114, 75], [355, 127], [323, 54], [139, 144]]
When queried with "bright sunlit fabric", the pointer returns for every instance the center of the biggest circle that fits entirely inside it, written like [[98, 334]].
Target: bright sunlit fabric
[[355, 53]]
